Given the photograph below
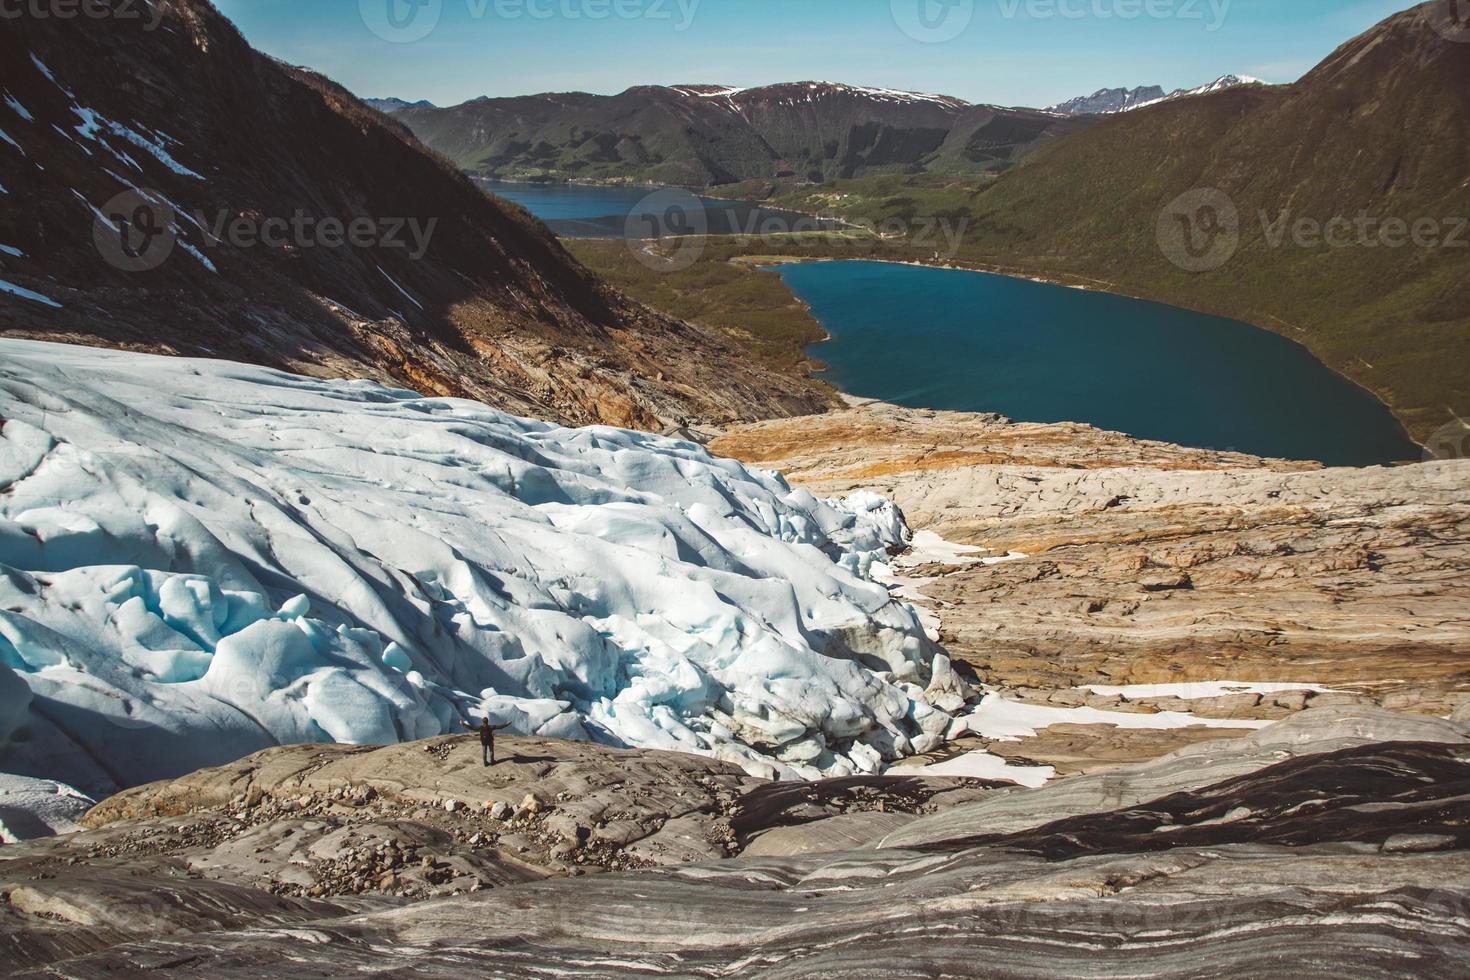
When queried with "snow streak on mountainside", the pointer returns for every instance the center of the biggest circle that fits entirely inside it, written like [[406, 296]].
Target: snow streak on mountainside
[[1218, 85], [199, 559]]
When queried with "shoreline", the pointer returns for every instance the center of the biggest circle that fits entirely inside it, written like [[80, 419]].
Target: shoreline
[[793, 260], [1080, 283], [1087, 283], [1064, 280]]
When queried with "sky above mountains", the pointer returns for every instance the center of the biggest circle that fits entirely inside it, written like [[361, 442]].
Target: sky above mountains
[[1009, 52]]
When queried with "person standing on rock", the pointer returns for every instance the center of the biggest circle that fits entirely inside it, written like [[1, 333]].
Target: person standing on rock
[[487, 738]]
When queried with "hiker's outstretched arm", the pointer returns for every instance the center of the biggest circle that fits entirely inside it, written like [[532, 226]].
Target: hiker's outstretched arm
[[499, 728]]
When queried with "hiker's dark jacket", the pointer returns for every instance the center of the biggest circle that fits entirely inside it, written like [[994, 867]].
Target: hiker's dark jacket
[[487, 732]]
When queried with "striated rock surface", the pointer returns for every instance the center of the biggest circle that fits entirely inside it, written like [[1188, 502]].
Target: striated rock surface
[[1188, 769], [1154, 564], [1321, 845]]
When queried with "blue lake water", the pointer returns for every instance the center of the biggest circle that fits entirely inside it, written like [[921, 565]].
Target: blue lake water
[[966, 341], [585, 211]]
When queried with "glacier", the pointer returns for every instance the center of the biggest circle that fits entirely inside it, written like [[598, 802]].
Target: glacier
[[200, 559]]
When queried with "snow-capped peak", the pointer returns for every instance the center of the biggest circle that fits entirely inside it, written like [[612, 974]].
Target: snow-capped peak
[[1109, 101], [809, 90], [1218, 85]]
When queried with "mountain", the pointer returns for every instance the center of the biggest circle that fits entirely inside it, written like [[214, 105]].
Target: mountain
[[700, 135], [1218, 85], [235, 179], [1375, 138], [1370, 145], [1110, 101], [1107, 101], [392, 105]]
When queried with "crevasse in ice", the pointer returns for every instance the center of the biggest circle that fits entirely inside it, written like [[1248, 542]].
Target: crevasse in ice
[[199, 559]]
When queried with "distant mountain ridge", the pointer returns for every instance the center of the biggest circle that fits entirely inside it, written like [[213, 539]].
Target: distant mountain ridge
[[391, 105], [1110, 101], [1377, 136], [700, 135], [1107, 101]]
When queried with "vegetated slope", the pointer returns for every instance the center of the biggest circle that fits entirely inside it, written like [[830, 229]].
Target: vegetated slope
[[200, 559], [1381, 128], [701, 135], [453, 292]]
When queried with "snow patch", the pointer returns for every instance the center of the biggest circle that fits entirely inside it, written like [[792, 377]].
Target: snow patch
[[94, 124], [18, 109], [984, 765], [1200, 689], [406, 294], [23, 293], [1010, 721], [1218, 85], [200, 256]]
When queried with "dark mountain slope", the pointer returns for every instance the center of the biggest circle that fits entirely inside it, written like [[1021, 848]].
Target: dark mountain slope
[[447, 290], [707, 135]]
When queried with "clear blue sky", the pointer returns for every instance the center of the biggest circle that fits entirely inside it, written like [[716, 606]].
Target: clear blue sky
[[1009, 52]]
